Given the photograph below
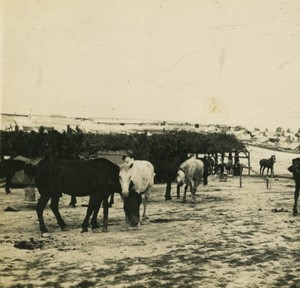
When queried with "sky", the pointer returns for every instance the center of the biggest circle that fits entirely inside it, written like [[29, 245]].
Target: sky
[[228, 62]]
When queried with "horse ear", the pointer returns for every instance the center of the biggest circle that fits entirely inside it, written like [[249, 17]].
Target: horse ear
[[130, 166]]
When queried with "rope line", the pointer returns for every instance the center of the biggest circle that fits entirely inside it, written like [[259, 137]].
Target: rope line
[[266, 178]]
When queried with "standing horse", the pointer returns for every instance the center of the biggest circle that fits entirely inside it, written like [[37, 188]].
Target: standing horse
[[8, 169], [295, 169], [166, 169], [267, 163], [32, 167], [229, 165], [136, 179], [97, 179], [190, 172]]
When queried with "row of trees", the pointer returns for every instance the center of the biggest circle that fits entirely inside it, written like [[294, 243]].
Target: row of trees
[[76, 144]]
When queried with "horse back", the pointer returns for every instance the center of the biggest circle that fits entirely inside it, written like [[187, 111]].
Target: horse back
[[142, 175], [75, 177], [194, 168]]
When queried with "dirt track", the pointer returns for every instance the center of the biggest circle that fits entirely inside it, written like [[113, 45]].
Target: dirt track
[[234, 237]]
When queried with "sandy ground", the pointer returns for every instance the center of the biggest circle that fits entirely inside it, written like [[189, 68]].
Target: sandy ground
[[233, 237]]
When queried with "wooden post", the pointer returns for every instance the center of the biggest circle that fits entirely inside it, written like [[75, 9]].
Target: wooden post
[[29, 194], [249, 163], [241, 168]]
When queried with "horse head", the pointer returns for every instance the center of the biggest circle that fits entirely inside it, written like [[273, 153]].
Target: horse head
[[180, 177], [295, 167], [132, 208], [296, 161], [125, 177]]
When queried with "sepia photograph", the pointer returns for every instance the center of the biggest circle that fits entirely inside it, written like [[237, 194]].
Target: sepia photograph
[[150, 143]]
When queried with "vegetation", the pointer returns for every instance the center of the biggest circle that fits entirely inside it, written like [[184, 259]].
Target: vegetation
[[75, 144]]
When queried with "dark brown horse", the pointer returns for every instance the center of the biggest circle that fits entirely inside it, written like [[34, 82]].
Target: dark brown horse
[[295, 169], [95, 178], [32, 169], [267, 163], [166, 169]]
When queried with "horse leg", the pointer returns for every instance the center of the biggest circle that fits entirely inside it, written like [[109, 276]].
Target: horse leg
[[40, 206], [205, 178], [168, 190], [145, 198], [95, 202], [178, 190], [105, 214], [73, 202], [89, 211], [8, 184], [184, 193], [262, 169], [54, 208], [111, 200], [296, 196], [193, 191]]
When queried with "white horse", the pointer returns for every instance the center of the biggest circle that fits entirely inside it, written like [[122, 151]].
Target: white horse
[[136, 179], [190, 172]]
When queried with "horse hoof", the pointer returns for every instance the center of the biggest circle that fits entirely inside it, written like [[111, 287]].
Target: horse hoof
[[168, 199], [104, 230], [124, 228], [96, 230], [85, 234], [138, 227], [64, 228], [295, 213], [72, 205], [144, 222], [45, 234]]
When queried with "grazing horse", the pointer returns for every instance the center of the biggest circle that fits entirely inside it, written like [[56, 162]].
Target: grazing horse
[[32, 168], [166, 169], [97, 179], [295, 169], [8, 169], [190, 172], [267, 163], [136, 179]]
